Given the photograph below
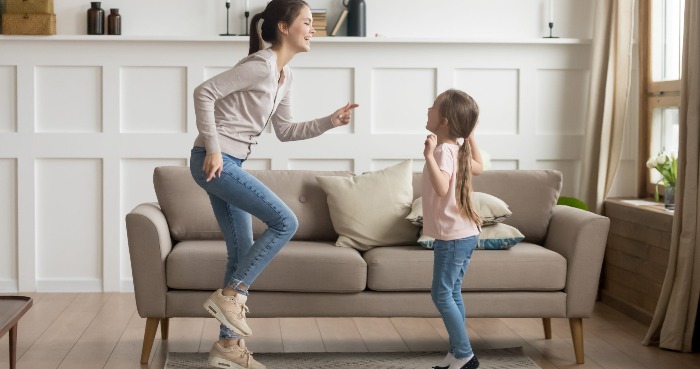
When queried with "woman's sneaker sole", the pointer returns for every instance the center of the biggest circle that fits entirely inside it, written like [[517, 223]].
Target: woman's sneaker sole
[[214, 310], [218, 362]]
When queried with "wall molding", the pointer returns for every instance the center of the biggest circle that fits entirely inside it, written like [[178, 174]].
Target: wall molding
[[112, 109]]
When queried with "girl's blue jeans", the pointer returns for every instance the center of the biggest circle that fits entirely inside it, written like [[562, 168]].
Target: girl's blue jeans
[[451, 261], [236, 195]]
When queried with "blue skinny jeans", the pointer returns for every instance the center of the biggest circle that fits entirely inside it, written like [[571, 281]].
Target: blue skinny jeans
[[236, 195]]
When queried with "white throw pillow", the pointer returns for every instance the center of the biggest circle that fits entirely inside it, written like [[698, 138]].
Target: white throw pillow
[[370, 210], [491, 209]]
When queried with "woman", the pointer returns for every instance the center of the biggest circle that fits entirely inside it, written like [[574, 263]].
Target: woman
[[232, 109]]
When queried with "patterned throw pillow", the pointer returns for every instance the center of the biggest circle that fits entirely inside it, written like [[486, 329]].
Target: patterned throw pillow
[[494, 237]]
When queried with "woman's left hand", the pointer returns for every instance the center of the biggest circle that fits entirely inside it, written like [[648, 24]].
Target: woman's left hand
[[343, 115]]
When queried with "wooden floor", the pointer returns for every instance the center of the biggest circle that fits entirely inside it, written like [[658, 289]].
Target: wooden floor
[[103, 330]]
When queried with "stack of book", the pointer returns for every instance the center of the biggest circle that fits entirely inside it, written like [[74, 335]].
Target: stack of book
[[319, 22]]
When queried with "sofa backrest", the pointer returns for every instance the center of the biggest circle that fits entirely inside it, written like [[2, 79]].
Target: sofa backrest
[[530, 195], [189, 214]]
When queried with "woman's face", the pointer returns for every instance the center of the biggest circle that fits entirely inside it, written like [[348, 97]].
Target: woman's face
[[300, 31]]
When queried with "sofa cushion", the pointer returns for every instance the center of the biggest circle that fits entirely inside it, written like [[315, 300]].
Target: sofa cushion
[[530, 195], [524, 267], [370, 210], [299, 266], [190, 217]]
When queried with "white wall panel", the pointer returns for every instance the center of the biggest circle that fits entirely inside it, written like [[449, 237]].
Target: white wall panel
[[8, 95], [257, 164], [321, 164], [68, 99], [147, 119], [504, 164], [562, 97], [496, 92], [8, 225], [136, 188], [570, 170], [318, 92], [153, 99], [69, 224], [379, 164], [401, 98]]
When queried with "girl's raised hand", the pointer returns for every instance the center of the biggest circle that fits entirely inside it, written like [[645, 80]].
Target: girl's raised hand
[[430, 143], [342, 116]]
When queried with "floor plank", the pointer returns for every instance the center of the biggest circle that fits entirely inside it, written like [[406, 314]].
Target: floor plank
[[301, 335], [127, 353], [103, 330], [97, 343], [45, 309], [380, 335], [340, 335], [60, 336], [267, 335], [419, 334]]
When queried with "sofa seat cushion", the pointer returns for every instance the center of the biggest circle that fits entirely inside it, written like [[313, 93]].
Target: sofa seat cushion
[[524, 267], [300, 266]]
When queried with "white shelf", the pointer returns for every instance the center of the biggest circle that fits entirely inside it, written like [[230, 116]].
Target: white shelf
[[126, 38]]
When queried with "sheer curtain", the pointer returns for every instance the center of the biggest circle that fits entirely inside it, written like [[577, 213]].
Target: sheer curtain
[[611, 74], [674, 321]]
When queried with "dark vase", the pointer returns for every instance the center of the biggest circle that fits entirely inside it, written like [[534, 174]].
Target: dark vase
[[356, 18], [114, 22], [95, 19]]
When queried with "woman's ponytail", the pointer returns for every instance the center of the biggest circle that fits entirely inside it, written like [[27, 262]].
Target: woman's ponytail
[[256, 40]]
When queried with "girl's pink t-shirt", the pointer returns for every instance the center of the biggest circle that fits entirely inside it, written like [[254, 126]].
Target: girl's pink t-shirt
[[442, 219]]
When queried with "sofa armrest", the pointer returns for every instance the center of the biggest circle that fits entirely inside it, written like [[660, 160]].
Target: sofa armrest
[[149, 246], [580, 237]]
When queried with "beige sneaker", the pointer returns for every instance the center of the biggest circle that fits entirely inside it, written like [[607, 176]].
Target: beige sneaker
[[233, 357], [230, 311]]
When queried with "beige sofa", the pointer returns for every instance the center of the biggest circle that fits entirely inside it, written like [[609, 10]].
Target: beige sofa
[[178, 257]]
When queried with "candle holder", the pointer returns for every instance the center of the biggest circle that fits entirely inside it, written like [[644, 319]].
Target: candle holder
[[228, 7], [551, 27], [247, 14]]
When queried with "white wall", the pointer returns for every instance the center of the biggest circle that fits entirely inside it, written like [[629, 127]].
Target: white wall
[[85, 119], [392, 18]]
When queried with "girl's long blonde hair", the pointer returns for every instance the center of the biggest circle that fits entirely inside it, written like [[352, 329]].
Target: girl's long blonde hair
[[462, 114]]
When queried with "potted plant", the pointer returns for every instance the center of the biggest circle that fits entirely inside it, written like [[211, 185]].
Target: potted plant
[[667, 165]]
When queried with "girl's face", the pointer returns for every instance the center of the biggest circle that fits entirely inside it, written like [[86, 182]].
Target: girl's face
[[300, 31], [434, 117]]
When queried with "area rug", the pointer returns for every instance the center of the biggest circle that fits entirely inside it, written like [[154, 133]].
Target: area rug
[[508, 358]]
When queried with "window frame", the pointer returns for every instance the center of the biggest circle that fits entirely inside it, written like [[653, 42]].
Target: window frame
[[652, 95]]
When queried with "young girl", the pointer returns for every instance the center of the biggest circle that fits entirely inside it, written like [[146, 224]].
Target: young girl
[[232, 109], [448, 214]]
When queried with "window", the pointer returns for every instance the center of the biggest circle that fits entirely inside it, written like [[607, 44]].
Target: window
[[661, 48]]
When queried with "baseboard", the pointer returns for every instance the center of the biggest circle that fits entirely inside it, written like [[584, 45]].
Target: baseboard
[[9, 286], [627, 309], [68, 285], [127, 285]]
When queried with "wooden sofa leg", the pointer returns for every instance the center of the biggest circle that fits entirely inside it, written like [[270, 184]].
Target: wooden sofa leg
[[148, 336], [164, 328], [547, 324], [577, 336]]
